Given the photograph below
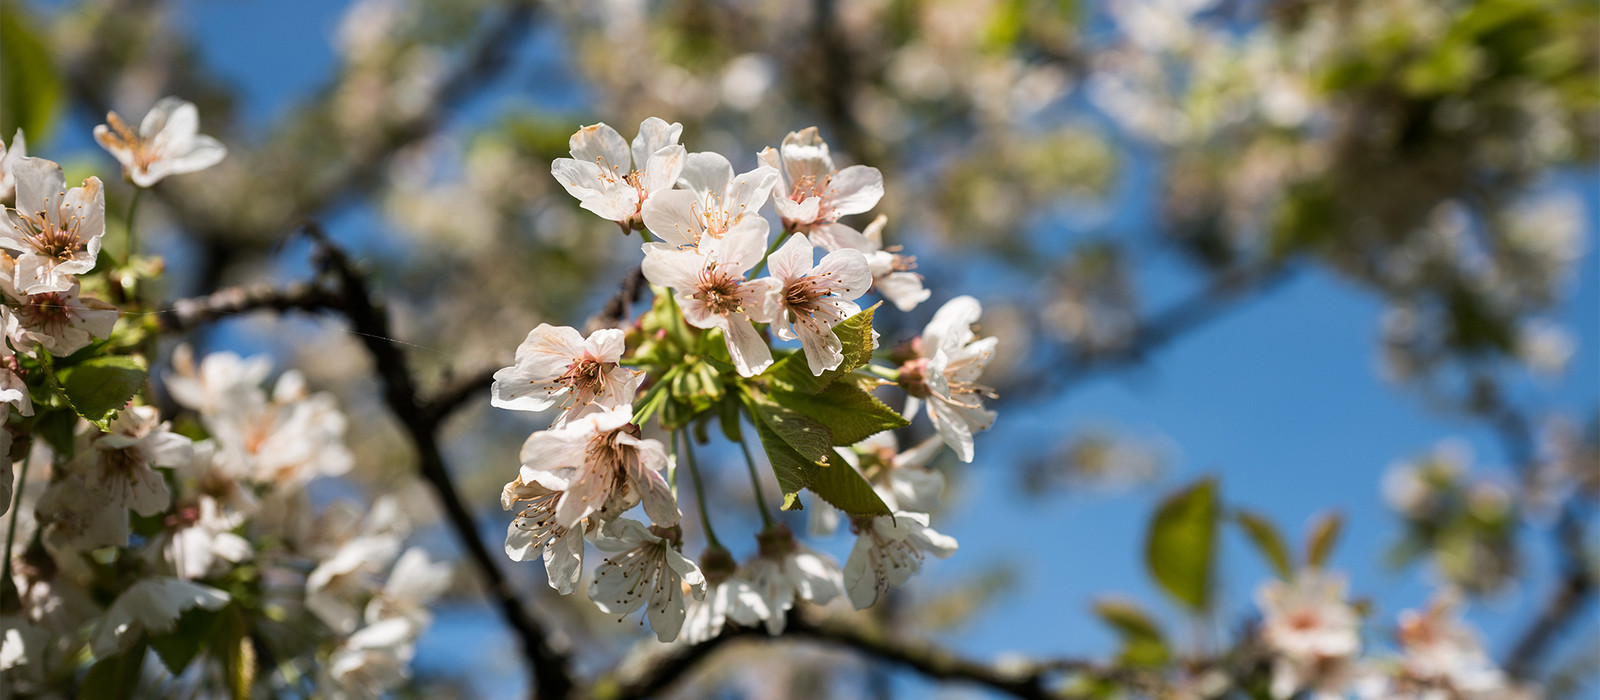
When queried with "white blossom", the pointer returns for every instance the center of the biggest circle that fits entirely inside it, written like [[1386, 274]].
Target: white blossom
[[556, 363], [888, 550], [152, 605], [413, 583], [534, 530], [60, 322], [55, 232], [602, 466], [614, 181], [945, 374], [645, 569], [812, 300], [120, 470], [199, 541], [812, 193], [1312, 628], [785, 570], [1440, 649], [710, 286], [712, 204], [8, 160], [372, 661], [168, 142], [335, 587], [892, 272], [727, 597]]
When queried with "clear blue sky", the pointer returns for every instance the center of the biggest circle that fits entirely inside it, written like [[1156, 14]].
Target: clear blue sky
[[1281, 398]]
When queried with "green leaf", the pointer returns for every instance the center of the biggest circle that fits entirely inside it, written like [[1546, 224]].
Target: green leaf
[[1267, 541], [794, 471], [114, 677], [1181, 544], [652, 402], [57, 427], [99, 387], [804, 434], [793, 373], [179, 647], [844, 488], [1143, 643], [232, 645], [728, 418], [1324, 535], [30, 85], [851, 414]]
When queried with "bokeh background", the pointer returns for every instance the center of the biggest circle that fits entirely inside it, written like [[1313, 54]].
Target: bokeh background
[[1291, 244]]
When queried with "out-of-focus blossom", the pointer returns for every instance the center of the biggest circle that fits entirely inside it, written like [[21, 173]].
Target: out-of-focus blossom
[[1313, 630], [168, 142], [152, 606], [8, 159]]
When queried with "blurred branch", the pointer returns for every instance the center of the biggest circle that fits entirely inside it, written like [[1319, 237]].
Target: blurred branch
[[1024, 680], [187, 314]]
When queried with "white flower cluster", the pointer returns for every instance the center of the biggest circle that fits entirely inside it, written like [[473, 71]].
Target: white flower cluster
[[705, 235], [1314, 636]]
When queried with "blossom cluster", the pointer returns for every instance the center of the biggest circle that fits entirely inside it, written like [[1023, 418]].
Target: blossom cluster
[[131, 532], [724, 292]]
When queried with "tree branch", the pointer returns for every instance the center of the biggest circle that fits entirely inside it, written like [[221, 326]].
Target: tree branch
[[186, 314]]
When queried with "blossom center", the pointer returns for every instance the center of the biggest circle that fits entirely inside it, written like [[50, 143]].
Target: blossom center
[[144, 152], [719, 291], [59, 243], [585, 378]]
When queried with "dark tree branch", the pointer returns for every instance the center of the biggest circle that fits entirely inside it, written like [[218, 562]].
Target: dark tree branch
[[186, 314]]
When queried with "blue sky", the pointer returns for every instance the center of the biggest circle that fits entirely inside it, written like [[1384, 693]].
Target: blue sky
[[1281, 398]]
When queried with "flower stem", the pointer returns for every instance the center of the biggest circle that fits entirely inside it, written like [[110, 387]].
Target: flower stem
[[699, 489], [133, 211], [881, 372], [783, 236], [755, 482], [11, 528]]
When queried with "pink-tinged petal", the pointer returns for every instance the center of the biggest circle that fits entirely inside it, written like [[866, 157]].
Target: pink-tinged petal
[[11, 232], [854, 190], [903, 289], [849, 271], [800, 213], [706, 173], [657, 498], [696, 313], [823, 350], [606, 344], [805, 155], [874, 231], [88, 204], [749, 192], [744, 244], [837, 236], [39, 184], [171, 117], [654, 134], [662, 168], [113, 145], [616, 202], [792, 260], [677, 217], [602, 145], [677, 269], [554, 347], [750, 353], [549, 450]]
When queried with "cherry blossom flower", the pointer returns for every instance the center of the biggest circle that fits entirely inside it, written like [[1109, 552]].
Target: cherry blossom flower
[[1441, 650], [1311, 627], [785, 570], [812, 193], [290, 439], [710, 286], [199, 541], [728, 597], [56, 232], [335, 587], [535, 530], [888, 550], [372, 661], [72, 523], [645, 568], [413, 583], [713, 204], [945, 373], [8, 160], [601, 465], [892, 274], [168, 142], [62, 322], [152, 605], [120, 470], [223, 380], [812, 300], [613, 182], [556, 363]]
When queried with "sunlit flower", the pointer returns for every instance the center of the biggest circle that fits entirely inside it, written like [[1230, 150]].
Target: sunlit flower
[[222, 380], [168, 142], [534, 530], [728, 597], [711, 288], [784, 570], [152, 606], [613, 181], [601, 465], [557, 364], [892, 274], [888, 550], [290, 439], [1441, 650], [713, 203], [62, 322], [812, 300], [413, 583], [813, 194], [372, 661], [199, 541], [1311, 627], [645, 568], [56, 232], [335, 589], [945, 374], [120, 470]]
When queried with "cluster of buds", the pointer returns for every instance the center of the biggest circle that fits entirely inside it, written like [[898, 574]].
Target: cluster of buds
[[724, 294]]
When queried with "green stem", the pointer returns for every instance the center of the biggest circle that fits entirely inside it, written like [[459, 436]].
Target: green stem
[[133, 211], [699, 489], [11, 528], [783, 236], [881, 372], [755, 482]]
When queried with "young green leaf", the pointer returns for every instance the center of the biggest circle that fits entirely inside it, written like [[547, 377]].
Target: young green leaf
[[851, 414], [1268, 542], [1181, 544], [1143, 643], [179, 647], [30, 85], [793, 373], [804, 434], [844, 488], [1324, 535], [114, 677], [99, 387]]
